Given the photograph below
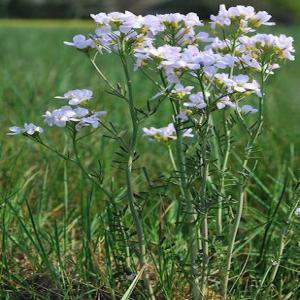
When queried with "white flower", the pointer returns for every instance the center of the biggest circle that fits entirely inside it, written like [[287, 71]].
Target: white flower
[[77, 96], [261, 18], [225, 102], [244, 16], [222, 19], [183, 116], [204, 37], [165, 133], [101, 18], [250, 62], [61, 116], [191, 19], [153, 24], [29, 129], [181, 90], [239, 83], [281, 46], [92, 120], [248, 109], [297, 211], [175, 20], [80, 42], [195, 101]]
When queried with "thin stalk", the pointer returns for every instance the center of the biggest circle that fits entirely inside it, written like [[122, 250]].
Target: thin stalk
[[205, 259], [172, 158], [223, 170], [130, 193], [243, 183], [103, 77], [66, 205], [203, 189], [262, 281], [192, 237], [277, 263]]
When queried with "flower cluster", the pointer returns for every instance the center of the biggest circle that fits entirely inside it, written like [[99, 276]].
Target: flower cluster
[[115, 27], [65, 115], [201, 71], [82, 117], [28, 129], [76, 97], [244, 17]]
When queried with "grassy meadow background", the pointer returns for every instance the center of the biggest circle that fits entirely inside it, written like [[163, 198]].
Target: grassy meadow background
[[37, 190]]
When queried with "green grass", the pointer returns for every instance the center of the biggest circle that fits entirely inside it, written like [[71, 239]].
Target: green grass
[[51, 234]]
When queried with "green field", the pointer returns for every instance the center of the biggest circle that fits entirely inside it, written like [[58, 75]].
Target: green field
[[35, 67]]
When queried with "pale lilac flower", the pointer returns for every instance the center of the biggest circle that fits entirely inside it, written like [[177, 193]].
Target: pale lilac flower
[[61, 116], [245, 16], [181, 90], [92, 120], [76, 97], [196, 101], [191, 19], [81, 42], [183, 116], [239, 83], [174, 18], [261, 18], [204, 37], [101, 19], [222, 19], [165, 133], [250, 62], [248, 109], [225, 102], [29, 129], [281, 46], [153, 24]]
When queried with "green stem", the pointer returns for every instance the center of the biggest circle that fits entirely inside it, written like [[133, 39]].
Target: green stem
[[130, 193], [243, 183], [192, 237], [172, 158], [223, 170], [204, 235]]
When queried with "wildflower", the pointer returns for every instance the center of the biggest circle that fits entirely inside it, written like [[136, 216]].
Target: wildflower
[[196, 101], [248, 109], [281, 46], [222, 19], [223, 46], [181, 91], [261, 18], [250, 62], [29, 129], [239, 83], [183, 115], [165, 134], [152, 24], [81, 42], [92, 120], [204, 37], [61, 116], [297, 211], [76, 97], [209, 61], [225, 102], [244, 16]]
